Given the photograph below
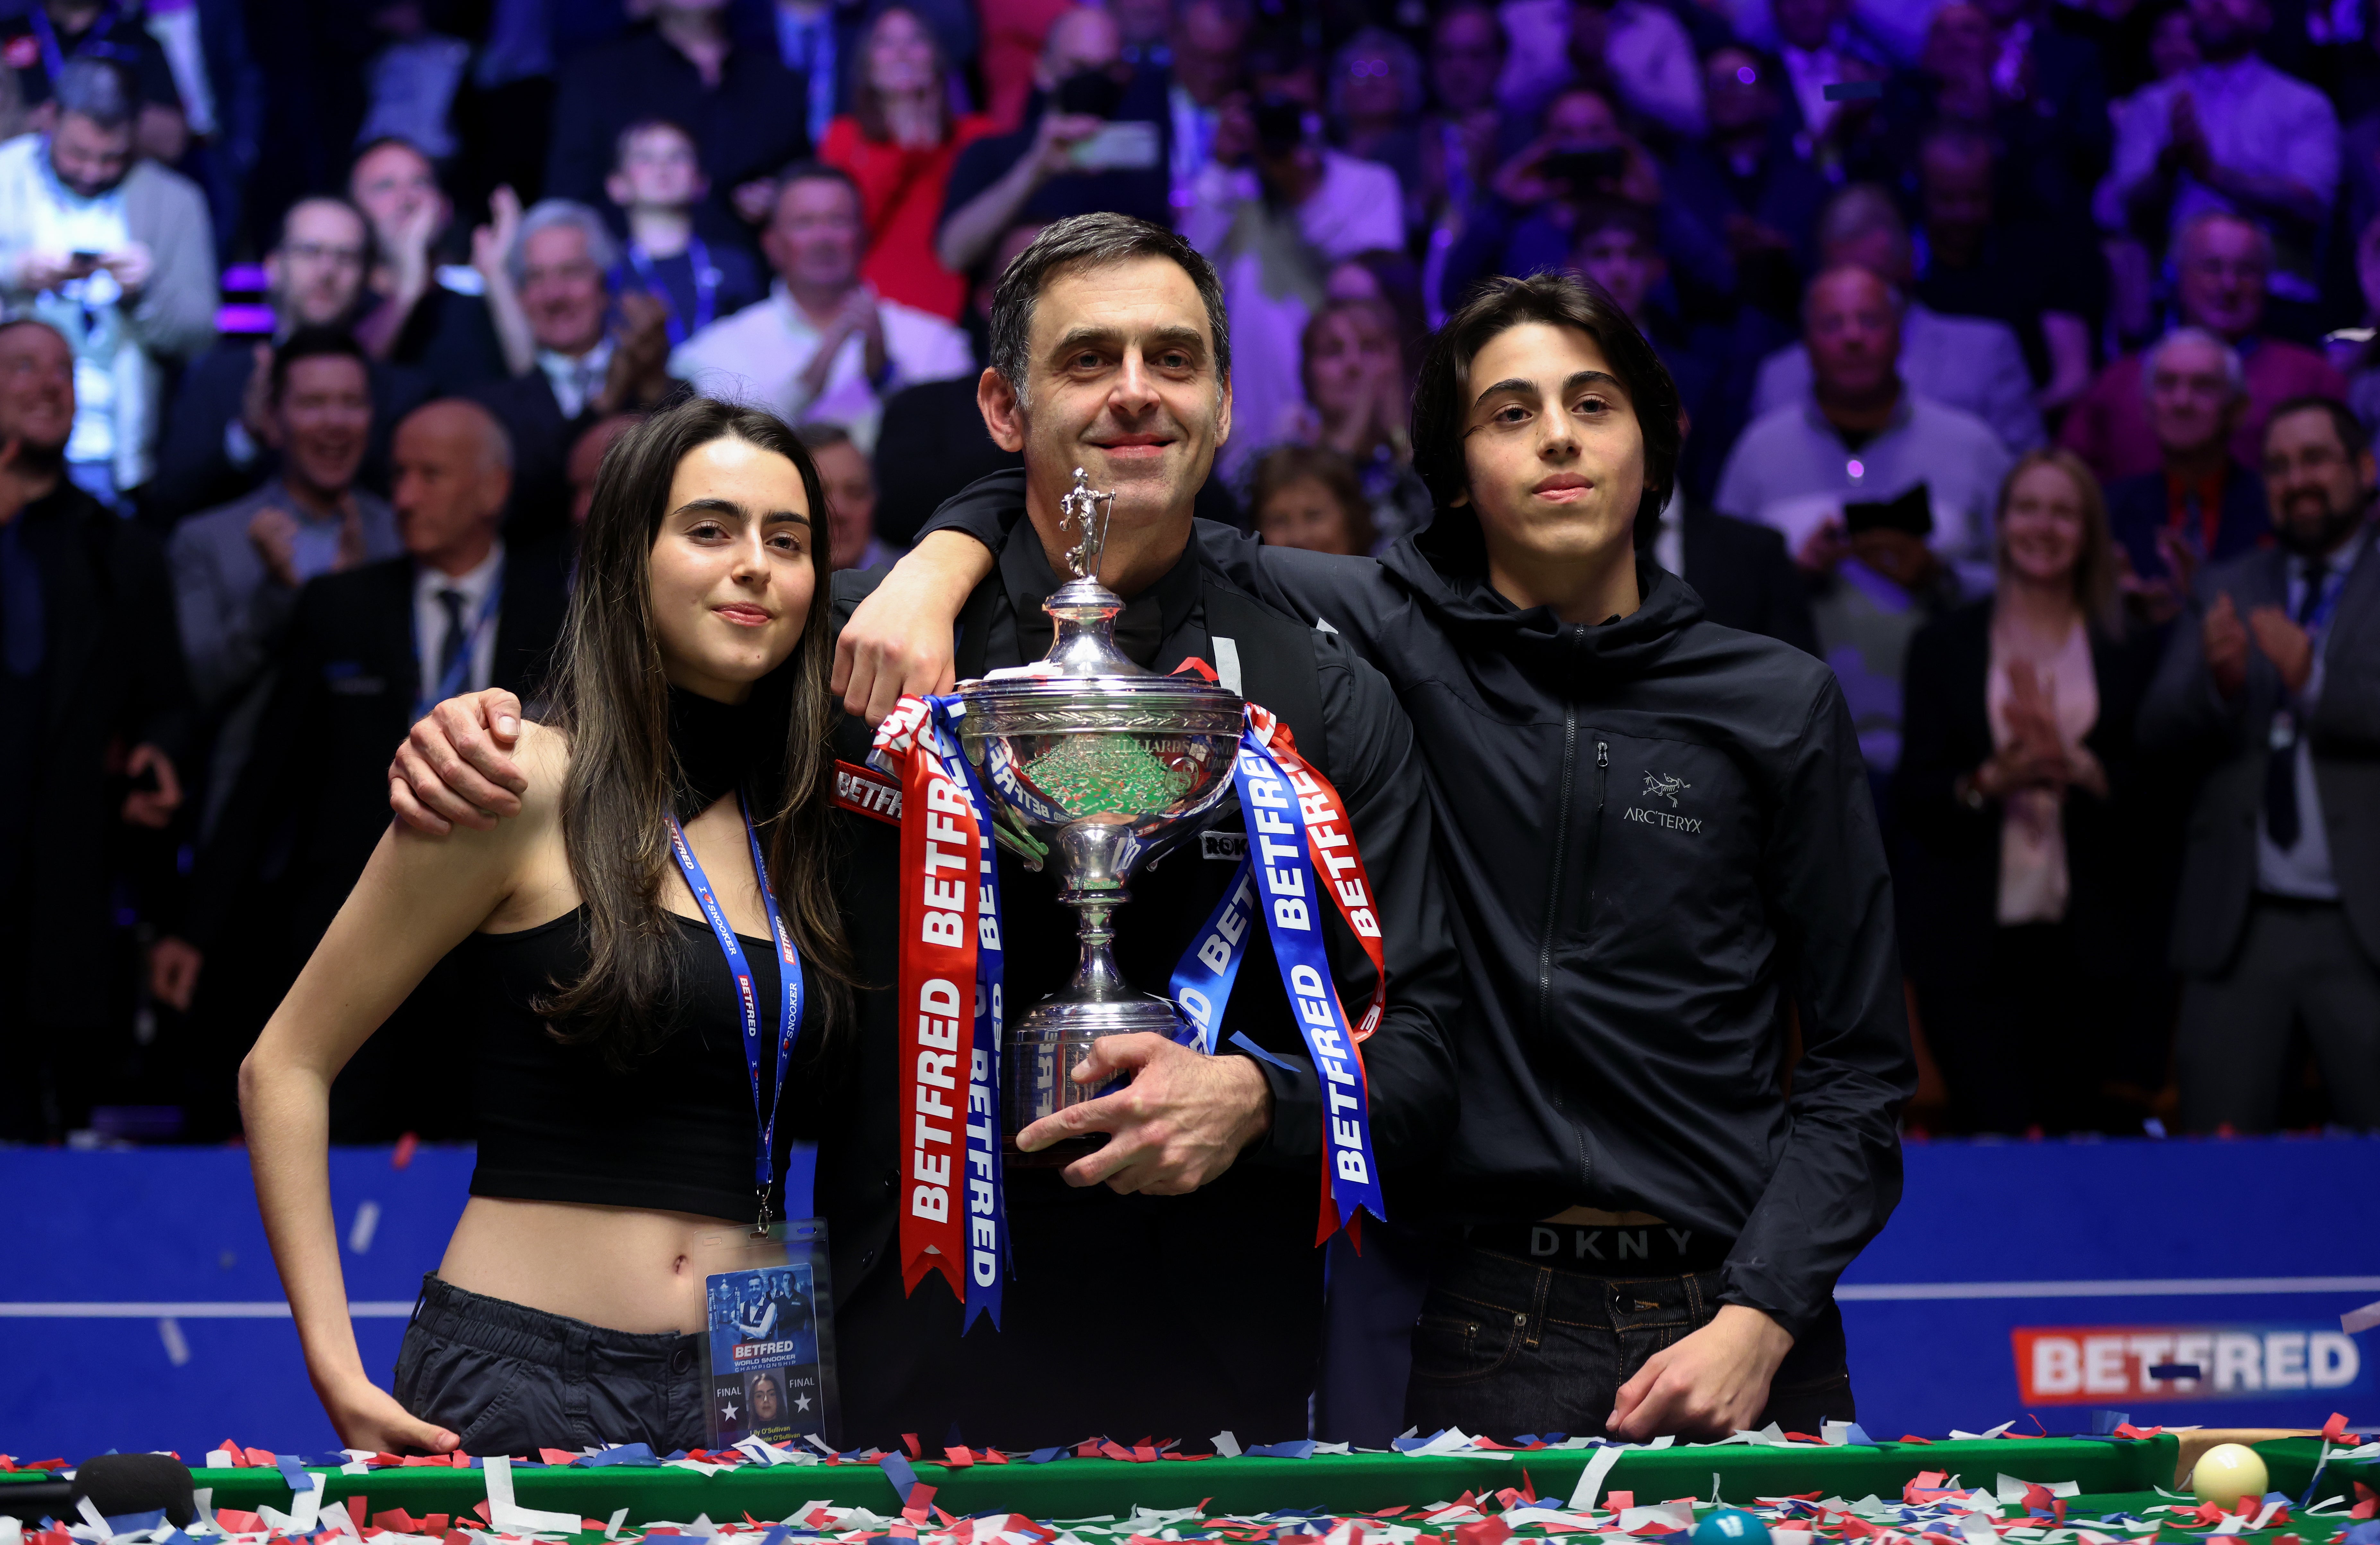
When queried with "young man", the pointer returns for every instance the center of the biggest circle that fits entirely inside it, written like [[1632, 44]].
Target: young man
[[1658, 841], [657, 181], [1111, 353]]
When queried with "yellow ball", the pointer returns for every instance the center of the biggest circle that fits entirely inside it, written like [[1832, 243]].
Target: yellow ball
[[2227, 1473]]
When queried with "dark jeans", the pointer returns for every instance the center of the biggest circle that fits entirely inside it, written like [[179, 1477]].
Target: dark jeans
[[1505, 1348], [509, 1379]]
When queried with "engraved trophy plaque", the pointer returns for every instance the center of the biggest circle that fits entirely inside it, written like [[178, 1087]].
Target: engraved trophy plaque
[[1093, 765]]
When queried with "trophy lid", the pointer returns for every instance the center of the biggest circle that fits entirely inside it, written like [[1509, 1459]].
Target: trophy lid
[[1084, 611]]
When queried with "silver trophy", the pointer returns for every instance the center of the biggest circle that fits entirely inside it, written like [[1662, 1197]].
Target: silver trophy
[[1094, 765]]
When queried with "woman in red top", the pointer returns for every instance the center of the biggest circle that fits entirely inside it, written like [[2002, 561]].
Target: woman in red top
[[899, 142]]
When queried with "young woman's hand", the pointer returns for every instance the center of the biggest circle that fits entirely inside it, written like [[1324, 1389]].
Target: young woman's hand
[[366, 1417]]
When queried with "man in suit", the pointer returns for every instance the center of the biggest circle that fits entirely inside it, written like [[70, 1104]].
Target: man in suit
[[2273, 687], [583, 371], [219, 438], [1741, 571], [366, 650], [2201, 506], [93, 707]]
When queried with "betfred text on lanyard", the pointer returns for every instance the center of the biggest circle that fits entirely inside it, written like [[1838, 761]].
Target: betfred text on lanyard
[[789, 997]]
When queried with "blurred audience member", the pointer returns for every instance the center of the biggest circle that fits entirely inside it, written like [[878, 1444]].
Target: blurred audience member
[[819, 40], [1207, 39], [237, 569], [850, 485], [1639, 49], [2360, 360], [586, 460], [116, 254], [1376, 100], [219, 435], [1819, 45], [2201, 506], [1748, 182], [1357, 403], [1015, 38], [2221, 262], [1093, 138], [656, 183], [420, 313], [745, 110], [899, 143], [582, 369], [41, 39], [2273, 685], [1882, 494], [1392, 279], [1462, 133], [92, 693], [823, 347], [1618, 249], [1307, 496], [2024, 926], [1968, 363], [1741, 569]]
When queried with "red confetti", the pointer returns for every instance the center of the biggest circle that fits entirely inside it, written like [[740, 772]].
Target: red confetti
[[910, 1439], [1617, 1502], [235, 1521], [1914, 1437], [557, 1456], [403, 1156], [1488, 1531], [957, 1458]]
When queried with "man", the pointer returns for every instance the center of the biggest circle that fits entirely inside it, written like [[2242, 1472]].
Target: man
[[2274, 687], [823, 348], [2222, 263], [117, 255], [1968, 363], [582, 371], [2201, 506], [420, 314], [1750, 183], [2232, 134], [366, 650], [1208, 39], [1862, 436], [219, 436], [1112, 355], [850, 485], [1042, 171], [656, 183], [94, 706], [42, 38], [1640, 51], [237, 569]]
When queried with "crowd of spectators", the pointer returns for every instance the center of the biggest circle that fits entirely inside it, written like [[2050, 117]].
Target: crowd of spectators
[[2024, 347]]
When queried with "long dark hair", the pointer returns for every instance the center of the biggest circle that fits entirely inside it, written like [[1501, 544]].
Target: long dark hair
[[610, 697], [867, 104]]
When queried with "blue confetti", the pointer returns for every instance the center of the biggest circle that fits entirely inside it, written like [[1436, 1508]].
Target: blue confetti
[[896, 1469]]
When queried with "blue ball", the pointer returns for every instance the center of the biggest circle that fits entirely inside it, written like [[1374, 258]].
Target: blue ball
[[1730, 1525]]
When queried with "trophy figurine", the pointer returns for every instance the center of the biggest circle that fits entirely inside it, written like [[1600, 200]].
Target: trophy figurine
[[1093, 765]]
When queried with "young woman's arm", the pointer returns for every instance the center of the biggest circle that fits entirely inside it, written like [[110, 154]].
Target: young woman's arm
[[419, 897]]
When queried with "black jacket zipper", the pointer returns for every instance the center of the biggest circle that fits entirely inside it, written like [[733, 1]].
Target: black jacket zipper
[[1554, 879]]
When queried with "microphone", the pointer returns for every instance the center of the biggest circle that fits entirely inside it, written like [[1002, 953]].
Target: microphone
[[117, 1484]]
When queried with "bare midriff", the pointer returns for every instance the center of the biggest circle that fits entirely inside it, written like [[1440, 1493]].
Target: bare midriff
[[622, 1268]]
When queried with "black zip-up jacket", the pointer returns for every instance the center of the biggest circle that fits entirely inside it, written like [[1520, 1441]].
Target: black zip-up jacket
[[1657, 834]]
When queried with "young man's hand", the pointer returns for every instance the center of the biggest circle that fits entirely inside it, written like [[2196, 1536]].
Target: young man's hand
[[456, 767], [1710, 1383]]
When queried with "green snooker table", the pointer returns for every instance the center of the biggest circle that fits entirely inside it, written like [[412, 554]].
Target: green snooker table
[[1393, 1498]]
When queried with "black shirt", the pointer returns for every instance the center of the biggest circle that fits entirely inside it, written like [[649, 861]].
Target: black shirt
[[119, 39], [1148, 194]]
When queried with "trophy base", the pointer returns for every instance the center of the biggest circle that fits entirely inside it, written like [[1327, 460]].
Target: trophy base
[[1045, 1046]]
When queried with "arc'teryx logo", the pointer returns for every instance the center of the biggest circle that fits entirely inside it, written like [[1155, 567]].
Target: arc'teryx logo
[[1664, 786]]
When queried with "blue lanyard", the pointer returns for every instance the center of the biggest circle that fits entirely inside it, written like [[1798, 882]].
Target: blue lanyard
[[451, 684], [706, 286], [789, 993]]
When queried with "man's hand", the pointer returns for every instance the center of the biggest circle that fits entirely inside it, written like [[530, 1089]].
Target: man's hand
[[1054, 142], [2289, 647], [47, 271], [256, 400], [492, 242], [899, 639], [2224, 640], [1898, 557], [174, 966], [1823, 551], [152, 808], [132, 264], [639, 373], [457, 765], [272, 531], [1707, 1385], [1180, 1123]]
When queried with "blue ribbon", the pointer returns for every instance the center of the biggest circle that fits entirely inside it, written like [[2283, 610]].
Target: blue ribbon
[[706, 287], [451, 683], [1202, 983], [789, 993]]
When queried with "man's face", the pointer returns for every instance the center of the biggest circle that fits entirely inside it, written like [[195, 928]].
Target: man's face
[[390, 184], [90, 160], [1852, 333], [1958, 180], [318, 270], [850, 502], [562, 290], [1583, 121], [2222, 283], [2315, 491], [813, 242], [1370, 91], [325, 417], [1623, 262], [2192, 404], [587, 460], [1079, 40], [659, 170], [1206, 47], [1808, 23], [2224, 29], [1123, 383], [1144, 22], [1553, 457], [447, 492], [37, 399], [1959, 38], [1738, 98], [1466, 55]]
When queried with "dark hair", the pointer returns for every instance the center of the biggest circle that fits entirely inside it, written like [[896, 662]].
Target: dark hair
[[2354, 438], [1284, 465], [96, 90], [609, 699], [380, 142], [1598, 215], [1092, 241], [1558, 300], [314, 343], [820, 436], [646, 125], [371, 237], [820, 171], [868, 107], [1382, 314]]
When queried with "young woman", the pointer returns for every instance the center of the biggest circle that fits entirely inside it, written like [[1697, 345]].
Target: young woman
[[621, 1125]]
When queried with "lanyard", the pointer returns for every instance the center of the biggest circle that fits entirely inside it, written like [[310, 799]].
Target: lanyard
[[789, 994], [451, 683], [706, 286]]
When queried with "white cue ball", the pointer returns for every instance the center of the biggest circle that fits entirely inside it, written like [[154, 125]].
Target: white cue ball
[[2227, 1473]]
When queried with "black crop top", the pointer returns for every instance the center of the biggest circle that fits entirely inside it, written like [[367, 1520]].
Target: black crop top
[[673, 1132]]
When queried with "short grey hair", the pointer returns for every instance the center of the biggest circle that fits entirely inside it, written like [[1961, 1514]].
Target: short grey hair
[[94, 88], [1092, 241], [1862, 209], [547, 214], [2234, 373]]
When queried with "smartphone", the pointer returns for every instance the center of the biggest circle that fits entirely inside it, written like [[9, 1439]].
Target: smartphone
[[1584, 170], [1129, 145], [1092, 94], [1912, 512]]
